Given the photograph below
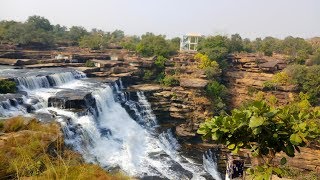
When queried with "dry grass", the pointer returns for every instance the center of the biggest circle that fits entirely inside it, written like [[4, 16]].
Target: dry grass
[[13, 124], [31, 150]]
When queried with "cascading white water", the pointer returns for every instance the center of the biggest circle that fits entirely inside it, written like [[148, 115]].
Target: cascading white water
[[58, 79], [32, 82], [210, 164], [8, 109], [148, 116], [111, 138]]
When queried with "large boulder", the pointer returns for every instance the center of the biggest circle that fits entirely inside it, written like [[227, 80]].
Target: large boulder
[[146, 87], [72, 99]]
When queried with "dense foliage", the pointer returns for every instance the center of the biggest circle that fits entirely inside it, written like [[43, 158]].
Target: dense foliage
[[305, 78], [154, 45], [169, 80], [40, 33], [218, 47], [265, 130]]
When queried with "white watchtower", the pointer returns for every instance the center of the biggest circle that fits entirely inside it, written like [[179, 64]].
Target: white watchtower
[[189, 42]]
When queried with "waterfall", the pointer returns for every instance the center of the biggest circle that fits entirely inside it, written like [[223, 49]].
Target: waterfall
[[32, 82], [109, 135], [12, 107], [210, 164], [36, 82]]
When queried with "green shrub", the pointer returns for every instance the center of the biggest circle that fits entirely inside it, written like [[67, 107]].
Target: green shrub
[[160, 77], [89, 64], [251, 90], [316, 58], [266, 131], [306, 78], [147, 75], [215, 90], [7, 86], [160, 62], [170, 81], [212, 72]]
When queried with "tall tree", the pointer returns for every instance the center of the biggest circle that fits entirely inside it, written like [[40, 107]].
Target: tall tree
[[236, 43], [76, 33]]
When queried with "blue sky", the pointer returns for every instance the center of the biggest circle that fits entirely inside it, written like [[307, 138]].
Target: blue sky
[[249, 18]]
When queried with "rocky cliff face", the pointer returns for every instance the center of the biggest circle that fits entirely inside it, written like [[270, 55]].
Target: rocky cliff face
[[245, 85], [183, 106], [247, 75]]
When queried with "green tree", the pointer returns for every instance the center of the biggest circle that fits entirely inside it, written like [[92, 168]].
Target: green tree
[[175, 43], [248, 45], [265, 130], [60, 34], [160, 62], [11, 31], [316, 57], [153, 45], [215, 47], [236, 43], [270, 45], [130, 42], [94, 41], [257, 45], [116, 36], [307, 79], [297, 48], [38, 22], [37, 30], [76, 33]]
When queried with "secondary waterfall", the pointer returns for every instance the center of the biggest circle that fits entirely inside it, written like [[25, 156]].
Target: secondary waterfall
[[109, 135]]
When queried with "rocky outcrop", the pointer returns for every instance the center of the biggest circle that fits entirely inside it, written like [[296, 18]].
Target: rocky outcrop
[[244, 85], [178, 107], [17, 62], [307, 159], [193, 83], [72, 99]]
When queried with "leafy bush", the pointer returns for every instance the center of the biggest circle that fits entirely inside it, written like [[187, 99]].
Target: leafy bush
[[160, 77], [218, 94], [265, 130], [7, 86], [154, 45], [306, 78], [279, 79], [205, 62], [147, 75], [211, 67], [213, 73], [89, 64], [94, 41], [170, 81], [316, 58], [216, 90], [160, 62]]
